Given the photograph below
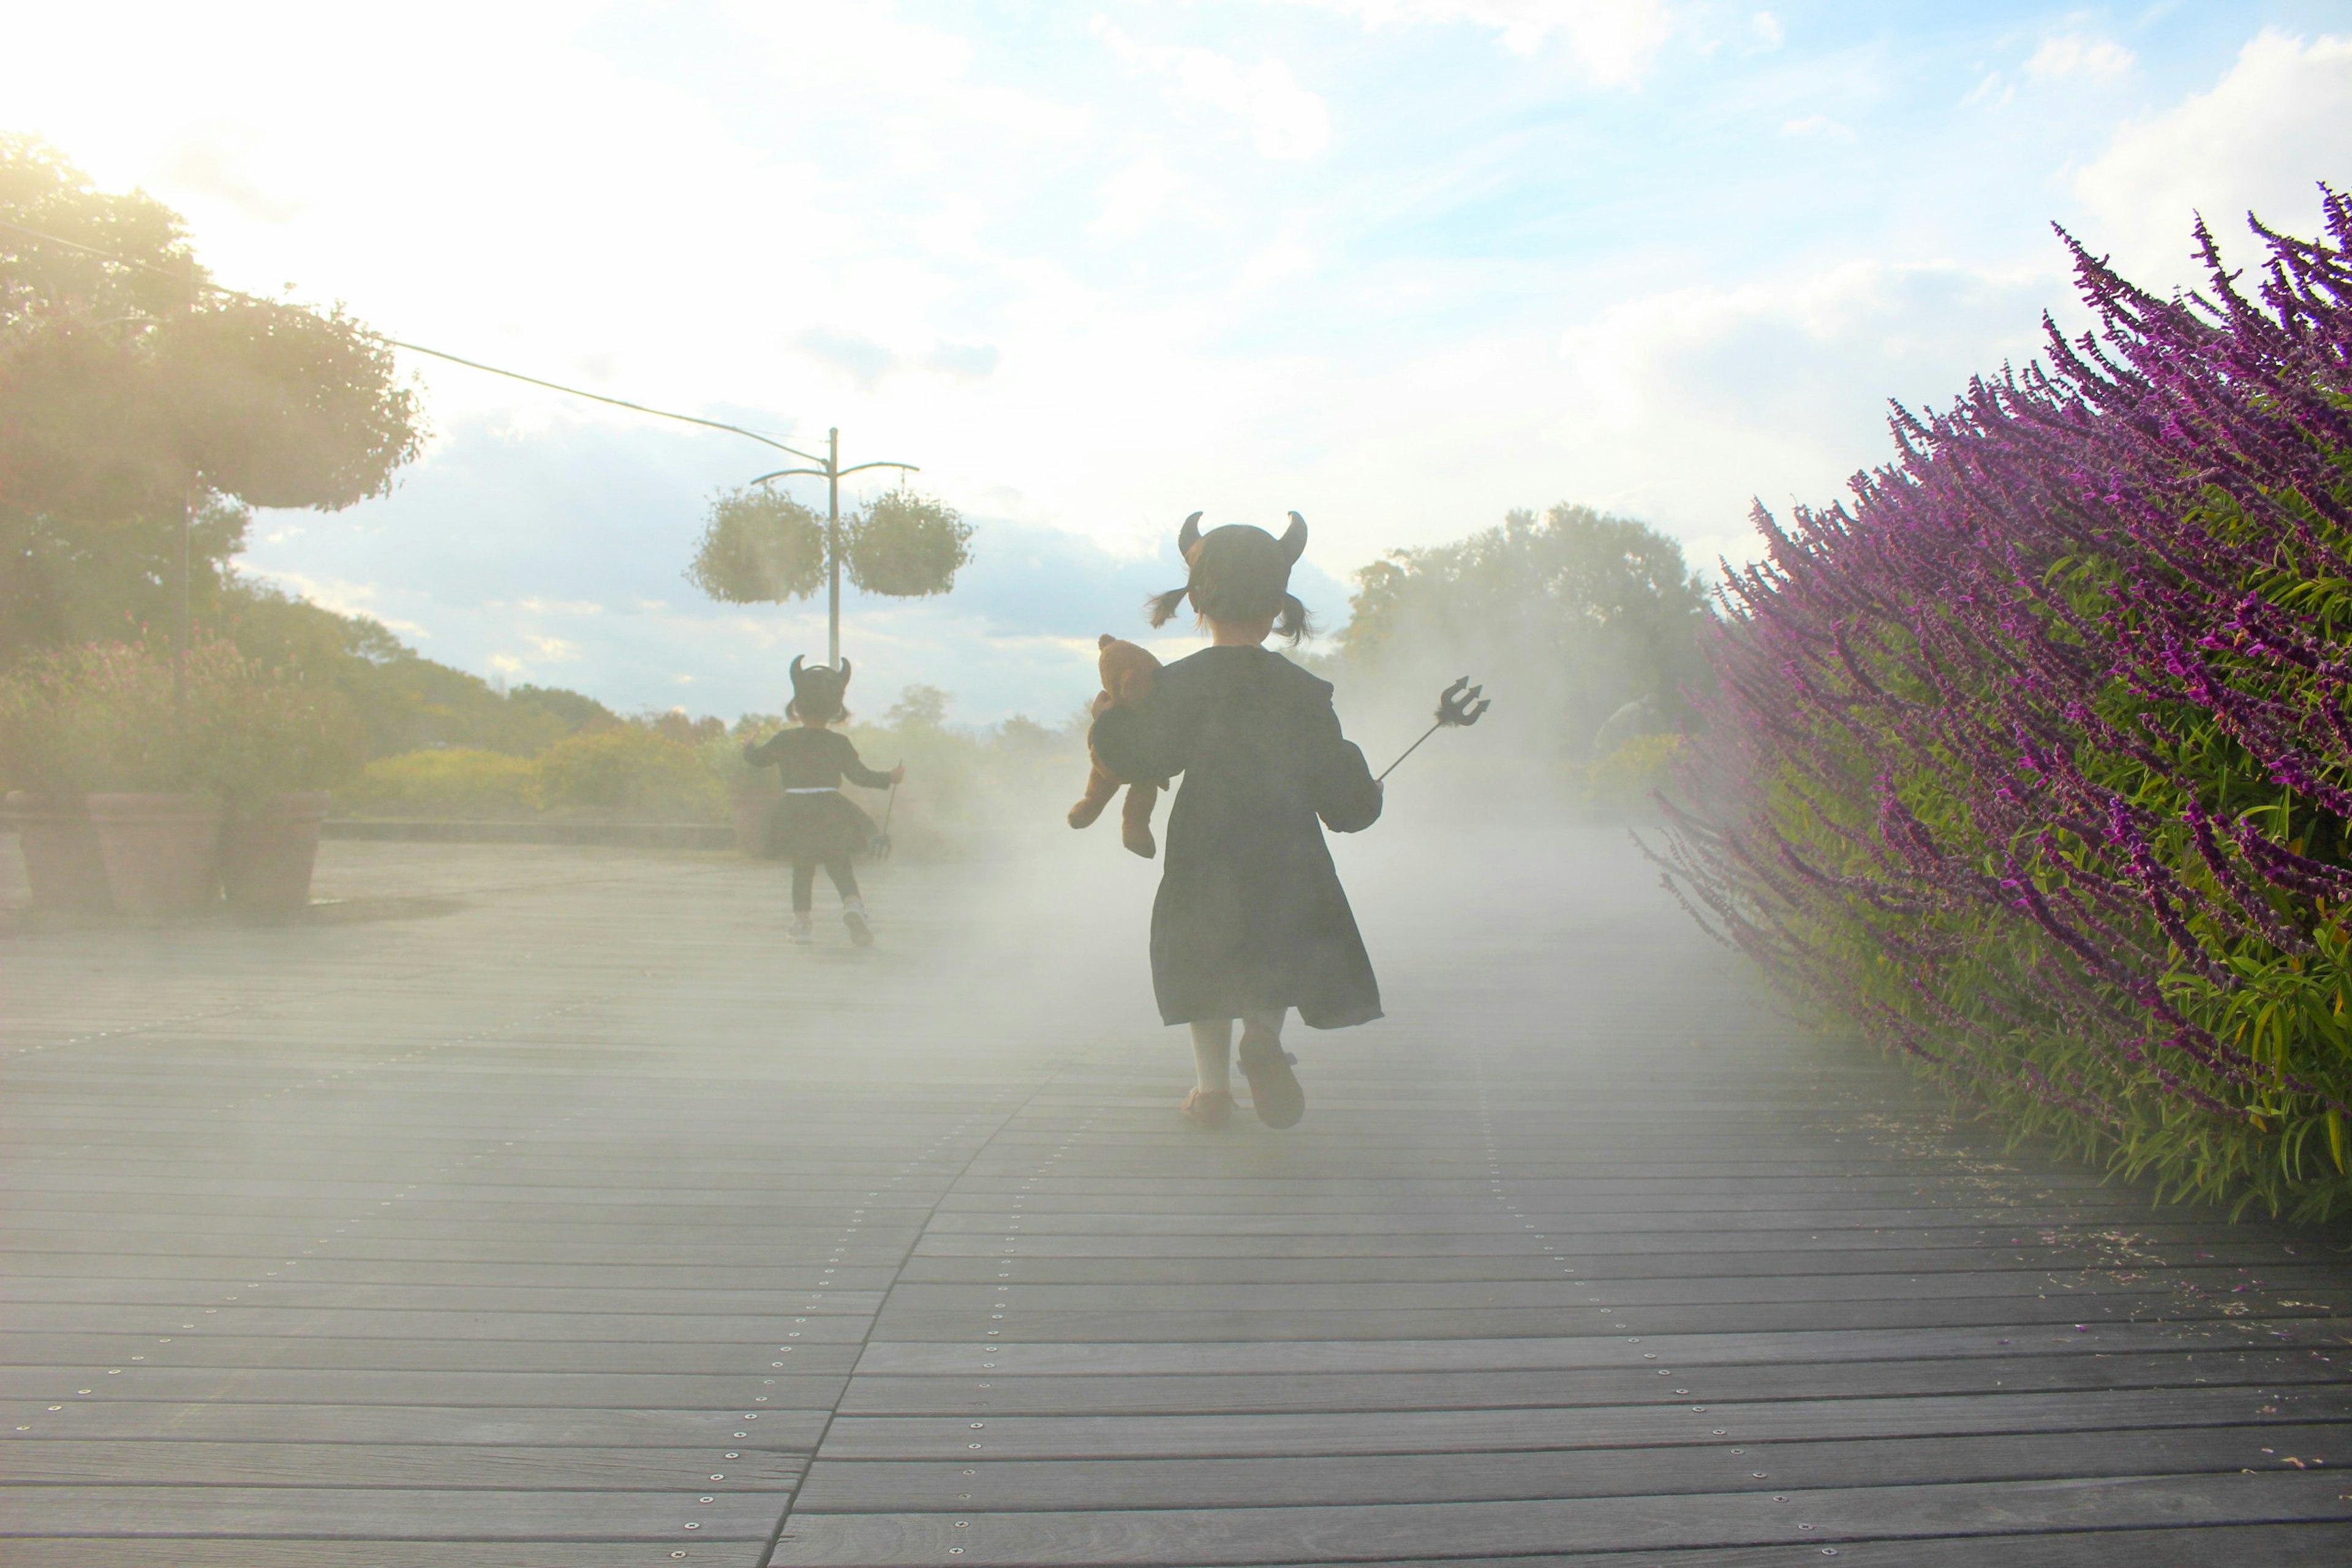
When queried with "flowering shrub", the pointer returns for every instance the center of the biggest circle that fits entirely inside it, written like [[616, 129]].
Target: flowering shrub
[[627, 768], [1626, 780], [104, 717], [454, 782], [2036, 762]]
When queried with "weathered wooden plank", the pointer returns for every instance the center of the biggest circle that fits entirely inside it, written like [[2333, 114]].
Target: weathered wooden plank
[[95, 1420], [2201, 1547], [1472, 1354], [158, 1381], [1590, 1265], [452, 1323], [314, 1551], [421, 1466], [866, 1486], [995, 1393], [711, 1358], [1648, 1317], [1559, 1293], [389, 1513], [1591, 1427], [1205, 1536], [1418, 1245]]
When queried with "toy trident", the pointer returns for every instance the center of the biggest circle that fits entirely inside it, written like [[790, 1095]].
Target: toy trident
[[1459, 706], [880, 849]]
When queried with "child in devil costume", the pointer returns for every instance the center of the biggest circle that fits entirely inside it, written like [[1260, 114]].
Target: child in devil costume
[[1250, 921], [815, 824]]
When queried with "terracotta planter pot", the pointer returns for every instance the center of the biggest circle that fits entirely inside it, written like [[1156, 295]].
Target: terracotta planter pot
[[266, 855], [752, 804], [162, 851], [62, 859]]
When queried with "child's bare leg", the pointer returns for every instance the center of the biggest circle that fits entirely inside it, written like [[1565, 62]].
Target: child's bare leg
[[1211, 1105], [1213, 1055]]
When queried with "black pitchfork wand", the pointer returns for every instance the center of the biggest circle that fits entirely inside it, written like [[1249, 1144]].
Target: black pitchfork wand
[[1459, 706], [880, 849]]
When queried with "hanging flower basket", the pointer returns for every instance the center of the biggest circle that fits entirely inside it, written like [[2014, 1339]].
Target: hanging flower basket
[[908, 546], [759, 547]]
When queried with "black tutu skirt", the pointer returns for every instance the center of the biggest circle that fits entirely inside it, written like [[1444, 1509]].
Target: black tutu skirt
[[823, 826]]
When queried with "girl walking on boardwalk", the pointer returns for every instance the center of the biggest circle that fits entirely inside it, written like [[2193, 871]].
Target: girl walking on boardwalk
[[815, 824], [1250, 921]]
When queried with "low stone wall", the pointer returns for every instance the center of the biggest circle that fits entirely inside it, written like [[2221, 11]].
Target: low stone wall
[[622, 835]]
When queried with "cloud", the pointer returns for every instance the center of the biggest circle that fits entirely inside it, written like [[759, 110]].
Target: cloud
[[1766, 31], [215, 157], [1284, 119], [2260, 139], [1688, 402], [1612, 40], [2074, 55], [1818, 125], [1134, 199], [866, 361]]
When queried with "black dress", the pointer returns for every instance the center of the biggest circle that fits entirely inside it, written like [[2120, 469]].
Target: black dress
[[1250, 916], [813, 820]]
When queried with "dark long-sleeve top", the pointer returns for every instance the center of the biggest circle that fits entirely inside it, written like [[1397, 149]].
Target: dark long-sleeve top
[[811, 758], [1250, 916]]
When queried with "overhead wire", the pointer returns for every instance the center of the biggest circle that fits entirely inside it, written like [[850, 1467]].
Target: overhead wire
[[390, 341]]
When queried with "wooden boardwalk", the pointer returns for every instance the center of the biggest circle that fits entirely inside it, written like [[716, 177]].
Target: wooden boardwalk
[[536, 1208]]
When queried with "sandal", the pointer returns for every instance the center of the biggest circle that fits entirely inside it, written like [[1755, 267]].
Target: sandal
[[1209, 1108], [1274, 1088]]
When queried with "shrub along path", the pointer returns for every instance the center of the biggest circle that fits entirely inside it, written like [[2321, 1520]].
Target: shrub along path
[[539, 1208]]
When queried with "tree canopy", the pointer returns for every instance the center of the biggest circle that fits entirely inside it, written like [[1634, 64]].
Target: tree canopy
[[132, 389], [1576, 613]]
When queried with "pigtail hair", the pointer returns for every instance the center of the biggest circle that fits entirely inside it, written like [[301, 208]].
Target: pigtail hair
[[1292, 622], [1162, 607]]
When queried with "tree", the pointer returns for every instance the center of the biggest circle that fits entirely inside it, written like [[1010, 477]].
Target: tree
[[1577, 614], [135, 395]]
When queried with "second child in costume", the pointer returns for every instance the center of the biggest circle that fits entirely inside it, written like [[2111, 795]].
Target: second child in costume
[[1250, 921], [815, 824]]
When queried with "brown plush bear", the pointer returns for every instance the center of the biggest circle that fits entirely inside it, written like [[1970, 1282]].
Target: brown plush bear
[[1127, 675]]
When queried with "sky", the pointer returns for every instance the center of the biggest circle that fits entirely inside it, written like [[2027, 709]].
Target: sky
[[1400, 265]]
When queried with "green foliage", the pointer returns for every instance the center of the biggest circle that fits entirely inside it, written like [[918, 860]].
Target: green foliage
[[759, 546], [1626, 781], [1572, 616], [282, 406], [918, 708], [908, 546], [629, 769], [133, 397], [405, 701], [104, 717], [458, 781], [572, 709]]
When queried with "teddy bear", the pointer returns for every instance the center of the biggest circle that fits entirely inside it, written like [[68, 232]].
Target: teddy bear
[[1126, 676]]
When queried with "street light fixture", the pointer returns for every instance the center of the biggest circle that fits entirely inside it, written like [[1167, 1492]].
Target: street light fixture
[[830, 471]]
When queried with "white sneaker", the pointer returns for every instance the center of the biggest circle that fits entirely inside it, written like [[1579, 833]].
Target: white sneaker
[[853, 915], [802, 928]]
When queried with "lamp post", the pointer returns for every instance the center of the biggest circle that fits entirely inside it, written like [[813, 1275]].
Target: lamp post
[[830, 471]]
